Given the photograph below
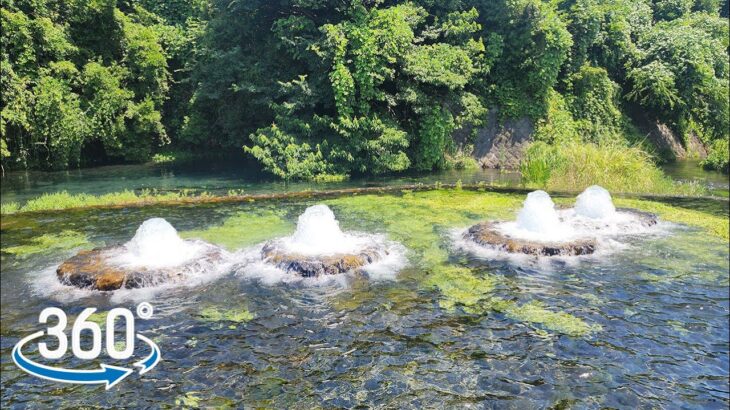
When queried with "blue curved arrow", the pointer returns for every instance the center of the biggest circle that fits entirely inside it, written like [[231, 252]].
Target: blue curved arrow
[[150, 361], [109, 375]]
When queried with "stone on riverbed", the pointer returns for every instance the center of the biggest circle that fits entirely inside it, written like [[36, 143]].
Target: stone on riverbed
[[486, 234], [93, 270], [646, 219], [313, 266]]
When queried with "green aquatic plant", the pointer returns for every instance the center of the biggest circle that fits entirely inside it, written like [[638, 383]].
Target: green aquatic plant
[[189, 400], [234, 315], [460, 287], [9, 208], [619, 168], [162, 158], [169, 157], [421, 220], [98, 317], [64, 200], [535, 312], [244, 229], [49, 242]]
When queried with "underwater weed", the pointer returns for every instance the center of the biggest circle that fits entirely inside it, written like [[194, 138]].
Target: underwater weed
[[244, 229], [713, 224], [417, 219], [49, 242], [215, 314]]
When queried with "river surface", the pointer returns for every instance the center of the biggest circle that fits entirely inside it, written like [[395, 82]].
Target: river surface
[[691, 171], [220, 176], [216, 177], [661, 304]]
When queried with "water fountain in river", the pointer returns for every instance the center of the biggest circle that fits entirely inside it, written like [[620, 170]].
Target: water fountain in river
[[155, 255], [543, 230], [319, 247]]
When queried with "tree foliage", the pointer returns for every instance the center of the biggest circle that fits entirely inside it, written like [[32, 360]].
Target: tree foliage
[[322, 88]]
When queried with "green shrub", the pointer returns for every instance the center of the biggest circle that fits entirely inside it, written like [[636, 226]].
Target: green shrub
[[718, 157], [558, 125]]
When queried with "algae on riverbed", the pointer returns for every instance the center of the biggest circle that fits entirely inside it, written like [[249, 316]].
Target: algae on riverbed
[[49, 242], [244, 229], [535, 312], [217, 314], [421, 221]]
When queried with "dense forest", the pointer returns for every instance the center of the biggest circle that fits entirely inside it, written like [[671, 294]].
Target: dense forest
[[325, 88]]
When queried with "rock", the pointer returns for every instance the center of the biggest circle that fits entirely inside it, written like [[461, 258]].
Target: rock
[[502, 145], [91, 269], [669, 144], [695, 148], [313, 266], [486, 234], [646, 219]]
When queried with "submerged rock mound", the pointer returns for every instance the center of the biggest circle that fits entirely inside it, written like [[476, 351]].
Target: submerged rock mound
[[541, 229], [319, 247], [313, 266], [154, 256], [95, 270], [487, 234]]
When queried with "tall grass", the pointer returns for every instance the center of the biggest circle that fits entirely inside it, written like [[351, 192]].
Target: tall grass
[[618, 168], [64, 200]]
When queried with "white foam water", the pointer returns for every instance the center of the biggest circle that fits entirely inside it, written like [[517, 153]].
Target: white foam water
[[593, 217], [318, 233], [595, 202], [46, 284], [249, 265], [606, 246], [537, 220], [156, 244]]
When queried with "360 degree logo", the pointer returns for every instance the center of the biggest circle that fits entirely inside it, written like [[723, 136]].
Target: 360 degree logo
[[106, 374]]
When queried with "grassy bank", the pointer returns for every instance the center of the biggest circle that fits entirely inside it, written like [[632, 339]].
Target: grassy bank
[[618, 168]]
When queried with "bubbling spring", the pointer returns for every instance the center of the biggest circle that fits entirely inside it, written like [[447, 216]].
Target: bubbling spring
[[155, 256], [156, 244], [318, 234], [543, 230], [595, 202], [594, 216], [319, 248]]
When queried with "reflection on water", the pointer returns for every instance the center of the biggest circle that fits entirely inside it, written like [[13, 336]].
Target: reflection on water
[[662, 305], [220, 176], [691, 171], [217, 177]]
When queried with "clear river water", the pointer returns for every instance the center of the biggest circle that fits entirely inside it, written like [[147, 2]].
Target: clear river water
[[652, 312]]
